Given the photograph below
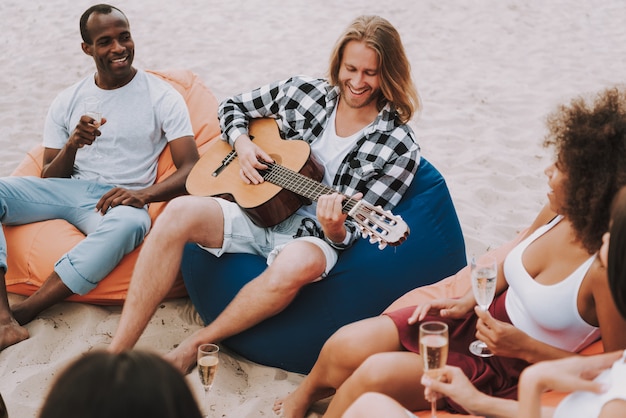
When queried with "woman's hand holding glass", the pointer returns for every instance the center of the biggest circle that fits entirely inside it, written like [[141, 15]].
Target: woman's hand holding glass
[[503, 339], [452, 384]]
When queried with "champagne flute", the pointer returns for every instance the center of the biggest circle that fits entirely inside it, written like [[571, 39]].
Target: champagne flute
[[207, 367], [433, 340], [92, 109], [484, 279]]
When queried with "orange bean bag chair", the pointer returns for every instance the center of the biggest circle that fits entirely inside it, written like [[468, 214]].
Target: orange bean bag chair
[[456, 286], [34, 248]]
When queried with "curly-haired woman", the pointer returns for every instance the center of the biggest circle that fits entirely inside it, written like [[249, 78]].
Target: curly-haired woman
[[552, 299], [598, 382]]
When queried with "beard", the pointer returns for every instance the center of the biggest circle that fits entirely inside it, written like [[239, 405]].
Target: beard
[[356, 101]]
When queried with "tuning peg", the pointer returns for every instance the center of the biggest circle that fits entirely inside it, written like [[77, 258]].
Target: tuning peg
[[382, 245], [391, 219]]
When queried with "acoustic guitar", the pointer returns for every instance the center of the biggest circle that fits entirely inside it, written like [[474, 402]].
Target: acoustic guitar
[[292, 180]]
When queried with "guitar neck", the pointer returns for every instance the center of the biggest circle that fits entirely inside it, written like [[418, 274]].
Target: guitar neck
[[300, 184]]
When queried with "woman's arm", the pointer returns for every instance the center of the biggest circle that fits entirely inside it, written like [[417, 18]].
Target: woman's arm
[[565, 375], [613, 409], [456, 386]]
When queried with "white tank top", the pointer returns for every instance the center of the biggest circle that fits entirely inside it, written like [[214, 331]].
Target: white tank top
[[548, 313]]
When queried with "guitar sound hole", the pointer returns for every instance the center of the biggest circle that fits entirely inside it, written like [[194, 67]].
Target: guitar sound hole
[[277, 158]]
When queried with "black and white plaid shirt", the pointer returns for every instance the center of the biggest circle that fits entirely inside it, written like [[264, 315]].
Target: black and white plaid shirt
[[381, 165]]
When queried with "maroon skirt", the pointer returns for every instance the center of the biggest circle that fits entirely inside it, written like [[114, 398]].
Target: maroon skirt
[[496, 376]]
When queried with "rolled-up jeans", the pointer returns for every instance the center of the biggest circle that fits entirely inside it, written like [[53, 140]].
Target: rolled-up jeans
[[109, 237]]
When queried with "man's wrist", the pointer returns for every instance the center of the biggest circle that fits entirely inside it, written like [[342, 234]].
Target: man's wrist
[[342, 244]]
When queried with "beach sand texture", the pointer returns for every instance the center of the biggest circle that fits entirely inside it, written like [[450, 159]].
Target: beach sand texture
[[488, 73]]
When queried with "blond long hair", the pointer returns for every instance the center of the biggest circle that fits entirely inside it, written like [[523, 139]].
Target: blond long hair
[[396, 84]]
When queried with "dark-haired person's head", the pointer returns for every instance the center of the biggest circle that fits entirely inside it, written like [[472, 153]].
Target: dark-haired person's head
[[126, 385], [615, 257], [104, 9], [107, 39], [3, 409]]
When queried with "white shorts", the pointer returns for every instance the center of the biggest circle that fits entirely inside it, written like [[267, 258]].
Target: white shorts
[[241, 235]]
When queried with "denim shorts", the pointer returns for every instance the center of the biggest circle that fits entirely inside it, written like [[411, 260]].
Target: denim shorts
[[241, 235]]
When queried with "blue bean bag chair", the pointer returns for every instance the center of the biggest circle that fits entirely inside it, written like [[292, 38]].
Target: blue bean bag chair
[[363, 283]]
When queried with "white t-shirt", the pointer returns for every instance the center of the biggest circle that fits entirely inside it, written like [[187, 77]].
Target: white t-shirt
[[587, 404], [330, 149], [141, 118]]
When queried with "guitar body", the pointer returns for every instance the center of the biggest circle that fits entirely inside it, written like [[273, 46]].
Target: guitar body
[[266, 204]]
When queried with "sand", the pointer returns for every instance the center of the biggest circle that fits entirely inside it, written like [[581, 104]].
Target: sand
[[488, 73]]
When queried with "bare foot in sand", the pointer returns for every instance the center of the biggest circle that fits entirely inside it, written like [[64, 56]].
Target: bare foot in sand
[[297, 404], [184, 356], [12, 333], [285, 408]]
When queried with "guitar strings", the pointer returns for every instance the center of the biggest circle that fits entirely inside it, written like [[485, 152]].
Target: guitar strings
[[300, 184]]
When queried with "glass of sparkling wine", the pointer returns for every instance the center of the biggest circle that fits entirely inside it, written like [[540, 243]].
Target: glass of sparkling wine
[[484, 278], [433, 340], [92, 109], [207, 367]]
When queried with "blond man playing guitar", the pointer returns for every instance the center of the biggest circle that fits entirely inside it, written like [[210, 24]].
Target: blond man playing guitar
[[356, 125]]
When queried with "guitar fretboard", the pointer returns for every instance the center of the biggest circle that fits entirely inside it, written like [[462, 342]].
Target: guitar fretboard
[[300, 184]]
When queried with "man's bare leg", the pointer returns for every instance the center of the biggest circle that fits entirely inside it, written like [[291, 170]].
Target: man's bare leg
[[50, 293], [185, 219], [297, 265], [198, 219], [11, 332], [340, 356]]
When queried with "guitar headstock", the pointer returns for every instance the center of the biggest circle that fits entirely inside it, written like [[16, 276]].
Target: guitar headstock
[[380, 225]]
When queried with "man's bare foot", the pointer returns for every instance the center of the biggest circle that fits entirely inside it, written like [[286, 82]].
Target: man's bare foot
[[183, 357], [12, 333]]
